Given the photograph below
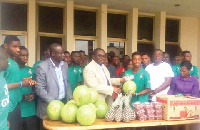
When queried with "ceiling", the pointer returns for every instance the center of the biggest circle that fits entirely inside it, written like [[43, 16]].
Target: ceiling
[[189, 8]]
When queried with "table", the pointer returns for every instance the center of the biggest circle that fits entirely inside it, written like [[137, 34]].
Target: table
[[102, 124]]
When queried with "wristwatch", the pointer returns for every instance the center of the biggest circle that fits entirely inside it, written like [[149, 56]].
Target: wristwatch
[[153, 92]]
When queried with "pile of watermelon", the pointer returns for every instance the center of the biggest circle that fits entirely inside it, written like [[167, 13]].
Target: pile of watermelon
[[84, 108]]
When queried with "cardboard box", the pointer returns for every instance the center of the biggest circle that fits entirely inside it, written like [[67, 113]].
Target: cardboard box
[[179, 108]]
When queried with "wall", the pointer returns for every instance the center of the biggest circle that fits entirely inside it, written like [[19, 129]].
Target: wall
[[189, 36]]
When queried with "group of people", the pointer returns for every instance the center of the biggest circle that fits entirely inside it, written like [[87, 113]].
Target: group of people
[[26, 91]]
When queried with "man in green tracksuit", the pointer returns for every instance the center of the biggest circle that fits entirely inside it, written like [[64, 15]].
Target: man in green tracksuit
[[75, 72], [141, 79], [4, 98], [186, 56], [12, 75], [27, 104]]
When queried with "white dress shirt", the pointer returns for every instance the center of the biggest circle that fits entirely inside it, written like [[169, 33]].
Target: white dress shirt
[[60, 78]]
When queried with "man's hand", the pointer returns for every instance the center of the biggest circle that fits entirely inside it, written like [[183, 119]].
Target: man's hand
[[122, 80], [8, 124], [29, 97], [152, 93], [32, 97], [116, 90], [27, 82]]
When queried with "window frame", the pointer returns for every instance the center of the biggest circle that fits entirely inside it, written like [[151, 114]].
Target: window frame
[[168, 42], [125, 40], [81, 37], [10, 32], [153, 35], [45, 34]]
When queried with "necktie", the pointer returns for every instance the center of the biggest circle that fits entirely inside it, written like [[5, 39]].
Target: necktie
[[105, 76]]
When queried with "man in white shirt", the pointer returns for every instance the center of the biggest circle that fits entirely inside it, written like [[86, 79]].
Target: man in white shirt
[[160, 75]]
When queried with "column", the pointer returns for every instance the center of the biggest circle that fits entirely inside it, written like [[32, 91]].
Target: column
[[32, 32], [159, 37], [69, 26], [102, 27], [132, 31]]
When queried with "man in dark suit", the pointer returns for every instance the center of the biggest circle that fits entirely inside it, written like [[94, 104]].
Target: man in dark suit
[[52, 80]]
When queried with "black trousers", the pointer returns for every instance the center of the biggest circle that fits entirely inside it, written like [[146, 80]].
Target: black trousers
[[40, 124], [29, 123], [14, 118]]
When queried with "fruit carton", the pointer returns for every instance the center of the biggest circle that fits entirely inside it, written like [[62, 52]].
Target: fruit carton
[[179, 108]]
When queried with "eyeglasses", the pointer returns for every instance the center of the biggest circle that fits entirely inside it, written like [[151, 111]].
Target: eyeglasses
[[101, 56]]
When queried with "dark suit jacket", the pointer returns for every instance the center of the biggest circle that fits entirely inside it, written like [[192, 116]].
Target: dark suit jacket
[[47, 87]]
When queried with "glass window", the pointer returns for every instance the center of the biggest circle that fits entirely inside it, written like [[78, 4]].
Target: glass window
[[45, 42], [143, 47], [87, 46], [84, 23], [173, 50], [117, 47], [50, 19], [145, 28], [14, 17], [172, 30], [116, 26]]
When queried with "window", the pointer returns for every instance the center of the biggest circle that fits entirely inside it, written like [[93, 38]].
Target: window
[[173, 50], [45, 42], [116, 26], [144, 47], [172, 45], [87, 46], [117, 47], [84, 23], [50, 19], [145, 28], [172, 30], [14, 17]]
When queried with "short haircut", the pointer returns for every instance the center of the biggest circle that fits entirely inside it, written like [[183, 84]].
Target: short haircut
[[115, 56], [2, 54], [53, 46], [23, 48], [97, 49], [165, 53], [157, 50], [124, 56], [66, 52], [136, 53], [184, 52], [186, 64], [10, 38], [145, 53], [73, 52], [81, 51]]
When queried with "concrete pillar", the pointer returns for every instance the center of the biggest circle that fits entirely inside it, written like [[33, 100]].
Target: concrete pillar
[[159, 37], [32, 32], [102, 27], [132, 31], [69, 26]]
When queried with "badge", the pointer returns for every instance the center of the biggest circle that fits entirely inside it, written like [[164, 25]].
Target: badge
[[141, 75], [30, 72]]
